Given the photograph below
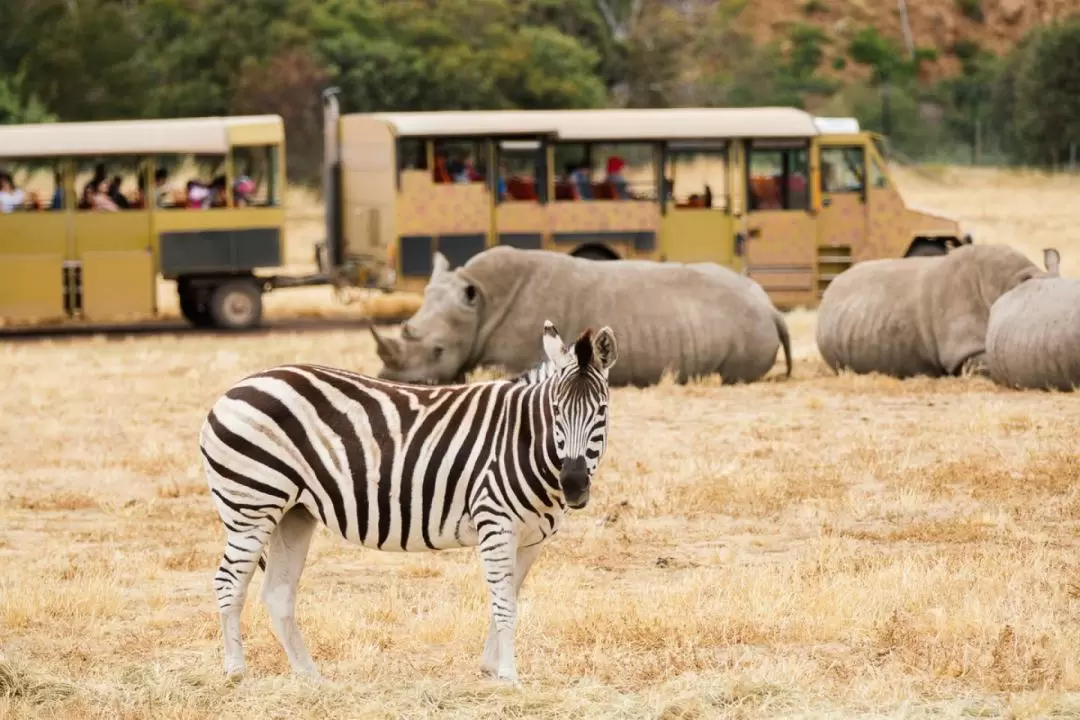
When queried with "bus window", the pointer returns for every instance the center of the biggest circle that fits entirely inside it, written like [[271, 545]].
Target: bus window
[[520, 171], [624, 171], [842, 169], [697, 176], [460, 161], [778, 178], [255, 176], [412, 154]]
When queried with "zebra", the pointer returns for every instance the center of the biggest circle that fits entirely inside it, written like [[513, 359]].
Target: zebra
[[403, 468]]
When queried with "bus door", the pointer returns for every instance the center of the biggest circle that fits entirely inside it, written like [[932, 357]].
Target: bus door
[[697, 224], [520, 190], [113, 239], [844, 215], [33, 241], [781, 231]]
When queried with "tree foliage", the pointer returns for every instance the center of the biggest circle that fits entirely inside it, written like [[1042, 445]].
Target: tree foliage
[[98, 59]]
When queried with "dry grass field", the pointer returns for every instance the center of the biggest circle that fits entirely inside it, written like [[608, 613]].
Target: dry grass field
[[814, 547]]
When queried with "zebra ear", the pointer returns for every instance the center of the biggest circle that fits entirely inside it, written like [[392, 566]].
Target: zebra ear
[[605, 349], [553, 344]]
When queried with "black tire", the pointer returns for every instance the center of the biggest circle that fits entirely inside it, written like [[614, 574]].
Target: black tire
[[236, 305], [195, 312], [924, 249], [593, 254]]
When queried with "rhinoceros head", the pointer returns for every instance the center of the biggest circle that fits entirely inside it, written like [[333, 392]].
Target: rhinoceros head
[[435, 342]]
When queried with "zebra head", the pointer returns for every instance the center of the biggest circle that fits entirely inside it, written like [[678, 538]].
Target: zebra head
[[579, 398]]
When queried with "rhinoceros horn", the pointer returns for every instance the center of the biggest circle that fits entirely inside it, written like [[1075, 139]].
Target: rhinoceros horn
[[389, 349]]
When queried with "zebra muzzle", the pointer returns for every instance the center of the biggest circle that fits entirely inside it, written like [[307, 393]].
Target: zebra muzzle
[[574, 481]]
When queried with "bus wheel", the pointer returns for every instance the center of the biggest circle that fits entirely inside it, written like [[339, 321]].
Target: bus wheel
[[922, 248], [236, 305], [194, 311], [595, 253]]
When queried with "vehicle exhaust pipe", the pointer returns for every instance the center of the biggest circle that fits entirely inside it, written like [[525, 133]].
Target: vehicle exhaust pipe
[[335, 251]]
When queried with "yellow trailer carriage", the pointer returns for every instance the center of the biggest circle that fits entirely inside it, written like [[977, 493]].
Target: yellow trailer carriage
[[788, 198], [112, 213]]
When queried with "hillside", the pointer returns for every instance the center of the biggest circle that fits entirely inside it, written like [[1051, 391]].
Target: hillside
[[994, 25]]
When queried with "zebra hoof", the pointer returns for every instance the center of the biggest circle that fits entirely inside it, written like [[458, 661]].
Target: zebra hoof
[[233, 676]]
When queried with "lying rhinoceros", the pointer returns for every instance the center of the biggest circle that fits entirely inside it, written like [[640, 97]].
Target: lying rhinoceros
[[917, 315], [693, 319], [1033, 335]]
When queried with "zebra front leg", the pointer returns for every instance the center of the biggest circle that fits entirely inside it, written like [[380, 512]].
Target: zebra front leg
[[498, 551], [288, 551], [526, 556]]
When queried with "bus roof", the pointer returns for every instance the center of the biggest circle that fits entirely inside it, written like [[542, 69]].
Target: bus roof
[[207, 135], [592, 125]]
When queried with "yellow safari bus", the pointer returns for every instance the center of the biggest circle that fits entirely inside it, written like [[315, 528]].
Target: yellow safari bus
[[92, 214], [789, 198]]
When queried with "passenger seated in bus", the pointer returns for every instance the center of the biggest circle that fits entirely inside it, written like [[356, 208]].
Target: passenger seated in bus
[[464, 170], [97, 179], [161, 187], [118, 198], [442, 172], [11, 197], [96, 197], [500, 183], [58, 192], [615, 178], [219, 198], [243, 189], [581, 180], [198, 195]]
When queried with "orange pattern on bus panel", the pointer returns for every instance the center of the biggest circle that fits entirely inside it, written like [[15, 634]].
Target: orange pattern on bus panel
[[521, 217], [844, 220], [787, 237], [888, 229], [425, 208], [603, 215]]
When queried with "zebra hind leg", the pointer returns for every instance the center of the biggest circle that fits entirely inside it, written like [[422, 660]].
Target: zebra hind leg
[[243, 550], [288, 552]]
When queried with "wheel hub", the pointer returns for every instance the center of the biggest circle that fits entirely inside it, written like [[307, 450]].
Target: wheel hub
[[237, 307]]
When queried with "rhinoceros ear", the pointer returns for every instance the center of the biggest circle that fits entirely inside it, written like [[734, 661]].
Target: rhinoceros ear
[[439, 265], [1052, 261], [605, 349], [553, 343]]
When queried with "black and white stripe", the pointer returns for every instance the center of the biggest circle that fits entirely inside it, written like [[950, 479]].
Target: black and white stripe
[[399, 467]]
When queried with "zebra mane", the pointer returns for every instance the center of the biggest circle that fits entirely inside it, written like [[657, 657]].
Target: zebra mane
[[536, 374]]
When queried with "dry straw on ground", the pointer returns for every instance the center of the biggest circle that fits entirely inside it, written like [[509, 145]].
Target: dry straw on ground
[[820, 546]]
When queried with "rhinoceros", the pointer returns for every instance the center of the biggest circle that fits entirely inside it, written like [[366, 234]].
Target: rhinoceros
[[1033, 335], [694, 319], [918, 315]]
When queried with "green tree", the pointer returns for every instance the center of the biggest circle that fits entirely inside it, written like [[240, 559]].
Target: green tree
[[1047, 92], [15, 110], [86, 59]]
